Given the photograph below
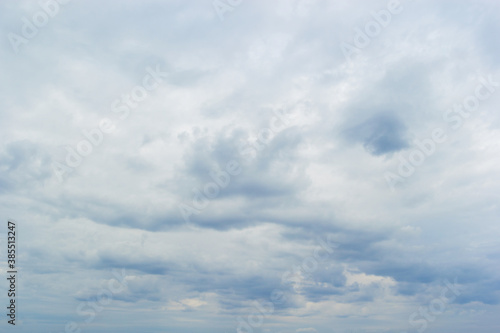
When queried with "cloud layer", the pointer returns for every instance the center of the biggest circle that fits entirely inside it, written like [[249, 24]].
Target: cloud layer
[[196, 156]]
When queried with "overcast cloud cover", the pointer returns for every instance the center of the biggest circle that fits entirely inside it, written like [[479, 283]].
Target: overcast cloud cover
[[333, 150]]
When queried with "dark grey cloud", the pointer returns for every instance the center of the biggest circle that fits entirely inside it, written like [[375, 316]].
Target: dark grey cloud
[[382, 134]]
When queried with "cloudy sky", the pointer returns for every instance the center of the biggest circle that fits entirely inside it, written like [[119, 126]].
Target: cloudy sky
[[285, 166]]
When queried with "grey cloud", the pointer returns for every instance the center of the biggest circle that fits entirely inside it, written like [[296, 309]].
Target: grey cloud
[[382, 134]]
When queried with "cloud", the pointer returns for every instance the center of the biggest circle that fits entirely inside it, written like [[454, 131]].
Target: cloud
[[309, 329], [381, 134], [313, 134]]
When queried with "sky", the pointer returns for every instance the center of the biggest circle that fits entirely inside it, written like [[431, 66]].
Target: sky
[[285, 166]]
